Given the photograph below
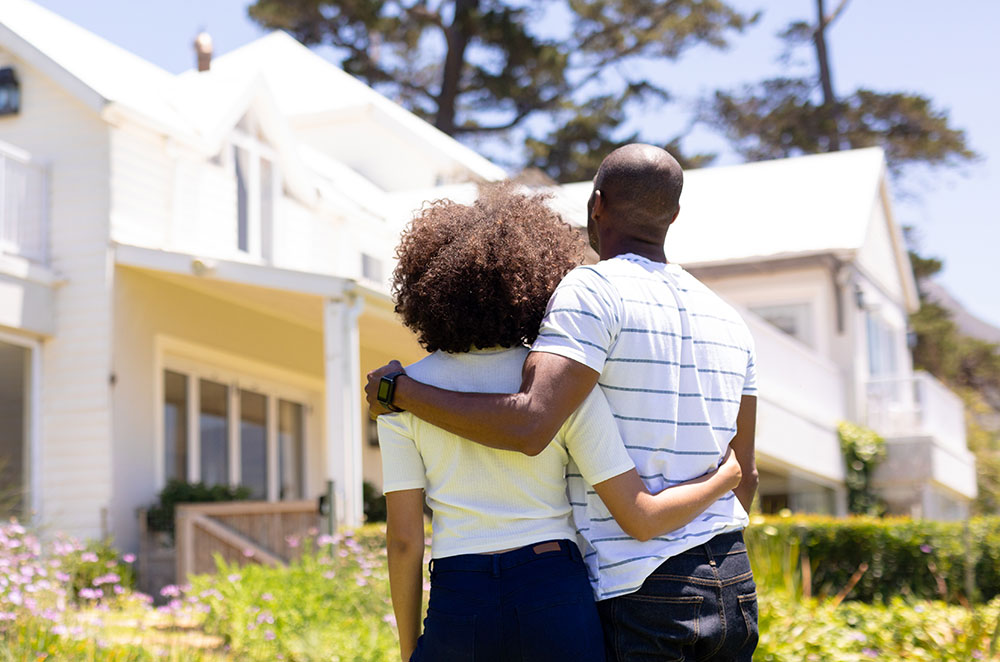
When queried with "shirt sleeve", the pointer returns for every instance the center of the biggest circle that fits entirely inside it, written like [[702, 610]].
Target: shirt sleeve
[[750, 382], [593, 441], [402, 465], [582, 320]]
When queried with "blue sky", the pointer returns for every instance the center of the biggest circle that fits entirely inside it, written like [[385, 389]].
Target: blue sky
[[948, 51]]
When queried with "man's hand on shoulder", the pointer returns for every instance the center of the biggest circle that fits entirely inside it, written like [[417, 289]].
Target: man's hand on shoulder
[[376, 408]]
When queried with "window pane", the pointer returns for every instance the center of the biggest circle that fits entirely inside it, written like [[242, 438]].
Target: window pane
[[175, 428], [267, 201], [214, 425], [242, 206], [291, 449], [253, 443], [13, 427]]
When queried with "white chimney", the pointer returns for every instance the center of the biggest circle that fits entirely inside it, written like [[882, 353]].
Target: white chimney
[[203, 50]]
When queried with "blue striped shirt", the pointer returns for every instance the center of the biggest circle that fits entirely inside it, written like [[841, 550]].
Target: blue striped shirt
[[674, 360]]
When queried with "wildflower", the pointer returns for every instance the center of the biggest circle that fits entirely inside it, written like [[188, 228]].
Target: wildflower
[[266, 597], [170, 591], [248, 552], [330, 574], [360, 581], [390, 619], [292, 541], [129, 558], [269, 635], [110, 578], [233, 578], [324, 540], [89, 557], [926, 549], [91, 593]]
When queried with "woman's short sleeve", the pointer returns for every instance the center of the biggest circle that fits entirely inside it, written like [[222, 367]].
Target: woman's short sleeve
[[402, 465]]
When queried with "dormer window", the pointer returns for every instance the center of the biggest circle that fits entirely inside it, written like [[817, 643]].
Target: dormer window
[[256, 185]]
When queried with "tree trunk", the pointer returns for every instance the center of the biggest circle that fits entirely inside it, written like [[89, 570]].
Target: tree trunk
[[457, 36], [825, 77]]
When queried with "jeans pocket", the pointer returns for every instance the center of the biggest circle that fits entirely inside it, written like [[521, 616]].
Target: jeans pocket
[[656, 627], [446, 638], [748, 606], [566, 629]]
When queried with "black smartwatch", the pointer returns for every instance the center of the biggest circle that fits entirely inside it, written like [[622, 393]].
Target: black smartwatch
[[387, 389]]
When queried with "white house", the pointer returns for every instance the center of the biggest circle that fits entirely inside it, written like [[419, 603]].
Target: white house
[[193, 269]]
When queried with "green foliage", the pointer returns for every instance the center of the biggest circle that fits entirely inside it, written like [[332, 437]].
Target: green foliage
[[971, 367], [794, 115], [863, 450], [820, 631], [334, 598], [374, 503], [911, 558], [483, 67], [161, 516]]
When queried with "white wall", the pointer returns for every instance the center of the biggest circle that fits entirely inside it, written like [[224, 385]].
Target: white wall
[[72, 141]]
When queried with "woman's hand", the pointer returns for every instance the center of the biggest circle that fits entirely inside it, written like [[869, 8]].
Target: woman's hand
[[730, 470]]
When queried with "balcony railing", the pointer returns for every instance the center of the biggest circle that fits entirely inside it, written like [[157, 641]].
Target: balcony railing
[[23, 222], [917, 406]]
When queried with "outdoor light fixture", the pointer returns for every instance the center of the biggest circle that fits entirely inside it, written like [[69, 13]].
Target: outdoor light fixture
[[859, 297], [10, 92]]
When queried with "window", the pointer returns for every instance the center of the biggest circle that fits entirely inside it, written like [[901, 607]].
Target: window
[[794, 319], [243, 433], [14, 425], [882, 346], [371, 268], [257, 189]]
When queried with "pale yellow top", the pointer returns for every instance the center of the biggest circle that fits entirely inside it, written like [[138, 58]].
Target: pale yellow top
[[485, 499]]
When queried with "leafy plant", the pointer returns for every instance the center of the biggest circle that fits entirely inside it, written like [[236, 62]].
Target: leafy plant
[[161, 516], [863, 450]]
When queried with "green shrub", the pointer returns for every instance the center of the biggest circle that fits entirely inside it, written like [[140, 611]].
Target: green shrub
[[863, 450], [161, 516], [333, 600], [375, 509], [916, 558], [820, 631]]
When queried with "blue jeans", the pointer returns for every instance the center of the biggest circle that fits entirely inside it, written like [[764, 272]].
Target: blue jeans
[[698, 605], [532, 604]]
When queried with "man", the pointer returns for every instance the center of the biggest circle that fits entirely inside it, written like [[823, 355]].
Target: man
[[677, 366]]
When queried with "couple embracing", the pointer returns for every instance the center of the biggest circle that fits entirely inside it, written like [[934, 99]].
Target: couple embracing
[[584, 435]]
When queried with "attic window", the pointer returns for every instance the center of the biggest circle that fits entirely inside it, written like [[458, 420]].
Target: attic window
[[257, 186], [10, 92]]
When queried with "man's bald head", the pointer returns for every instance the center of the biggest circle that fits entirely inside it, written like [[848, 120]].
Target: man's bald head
[[641, 187]]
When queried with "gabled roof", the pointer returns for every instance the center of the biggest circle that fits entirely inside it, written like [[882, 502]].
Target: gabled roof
[[309, 87]]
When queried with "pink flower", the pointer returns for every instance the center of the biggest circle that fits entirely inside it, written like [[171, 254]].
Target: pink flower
[[269, 635], [390, 619], [170, 591], [129, 558], [89, 557]]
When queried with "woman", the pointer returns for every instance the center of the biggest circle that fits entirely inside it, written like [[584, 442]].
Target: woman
[[507, 579]]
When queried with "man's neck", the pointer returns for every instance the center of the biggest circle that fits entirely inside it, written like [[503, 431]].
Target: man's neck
[[613, 247]]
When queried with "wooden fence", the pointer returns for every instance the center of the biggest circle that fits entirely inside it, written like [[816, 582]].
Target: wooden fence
[[241, 532]]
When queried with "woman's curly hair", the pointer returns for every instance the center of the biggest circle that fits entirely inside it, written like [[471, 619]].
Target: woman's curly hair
[[480, 275]]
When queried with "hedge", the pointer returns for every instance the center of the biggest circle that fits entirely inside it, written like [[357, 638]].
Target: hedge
[[918, 558]]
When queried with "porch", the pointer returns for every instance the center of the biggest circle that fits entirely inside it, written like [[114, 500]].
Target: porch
[[243, 374]]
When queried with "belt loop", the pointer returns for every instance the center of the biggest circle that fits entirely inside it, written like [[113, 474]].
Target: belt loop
[[430, 567], [496, 565], [708, 553]]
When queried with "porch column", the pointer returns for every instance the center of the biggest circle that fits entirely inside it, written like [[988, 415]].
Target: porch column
[[341, 348]]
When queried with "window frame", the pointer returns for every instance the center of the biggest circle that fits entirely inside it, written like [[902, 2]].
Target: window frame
[[32, 472], [260, 239], [236, 373]]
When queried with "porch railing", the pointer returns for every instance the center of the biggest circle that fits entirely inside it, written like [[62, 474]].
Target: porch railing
[[23, 218], [917, 406]]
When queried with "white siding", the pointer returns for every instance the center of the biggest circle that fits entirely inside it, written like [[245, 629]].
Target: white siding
[[141, 187], [75, 445], [878, 258]]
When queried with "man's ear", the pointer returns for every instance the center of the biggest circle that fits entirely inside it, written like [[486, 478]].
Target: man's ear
[[596, 204], [674, 217]]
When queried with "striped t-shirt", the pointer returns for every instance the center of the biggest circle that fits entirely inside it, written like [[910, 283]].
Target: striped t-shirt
[[674, 360]]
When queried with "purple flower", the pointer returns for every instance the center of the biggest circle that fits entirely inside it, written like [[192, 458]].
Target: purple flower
[[170, 591], [129, 558], [926, 549], [269, 635]]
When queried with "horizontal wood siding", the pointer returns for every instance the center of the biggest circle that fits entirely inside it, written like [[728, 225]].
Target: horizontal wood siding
[[71, 140]]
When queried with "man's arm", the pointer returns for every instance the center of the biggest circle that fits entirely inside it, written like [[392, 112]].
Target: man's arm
[[552, 387], [743, 446]]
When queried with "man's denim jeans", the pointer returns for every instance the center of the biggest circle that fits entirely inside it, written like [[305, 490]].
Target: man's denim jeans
[[698, 605]]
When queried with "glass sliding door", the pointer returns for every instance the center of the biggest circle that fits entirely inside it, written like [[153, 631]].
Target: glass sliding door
[[175, 425], [218, 433], [214, 426], [14, 417], [253, 443], [291, 450]]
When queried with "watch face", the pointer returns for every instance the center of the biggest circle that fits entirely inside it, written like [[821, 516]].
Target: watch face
[[383, 390]]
